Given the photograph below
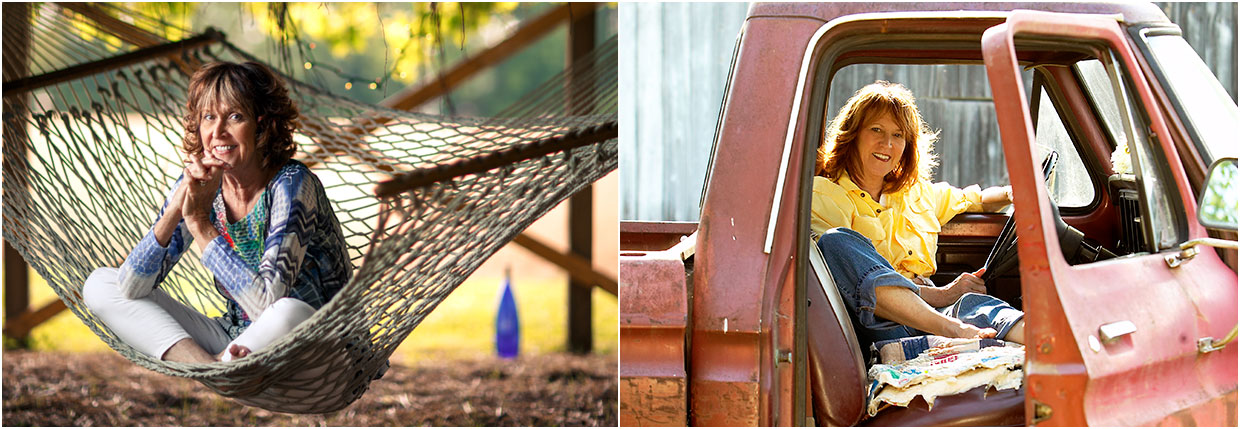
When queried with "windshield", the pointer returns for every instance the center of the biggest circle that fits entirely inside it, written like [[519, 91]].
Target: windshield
[[1202, 101]]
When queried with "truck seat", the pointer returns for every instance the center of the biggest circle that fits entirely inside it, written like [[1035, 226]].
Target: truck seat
[[838, 378]]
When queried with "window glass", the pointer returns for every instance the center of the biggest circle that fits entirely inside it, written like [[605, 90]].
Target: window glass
[[1134, 153], [1098, 85], [1205, 104], [1155, 188], [1070, 186]]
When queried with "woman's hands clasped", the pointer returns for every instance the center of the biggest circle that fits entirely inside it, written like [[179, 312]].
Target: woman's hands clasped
[[203, 175]]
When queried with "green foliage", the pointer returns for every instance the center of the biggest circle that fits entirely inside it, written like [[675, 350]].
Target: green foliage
[[409, 32], [369, 51]]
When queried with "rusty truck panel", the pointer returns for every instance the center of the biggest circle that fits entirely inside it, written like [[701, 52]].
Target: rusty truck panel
[[735, 299], [654, 314]]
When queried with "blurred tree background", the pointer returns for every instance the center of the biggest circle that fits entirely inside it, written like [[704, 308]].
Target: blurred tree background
[[369, 51]]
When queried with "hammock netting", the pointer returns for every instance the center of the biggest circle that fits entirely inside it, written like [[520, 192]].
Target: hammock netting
[[87, 163]]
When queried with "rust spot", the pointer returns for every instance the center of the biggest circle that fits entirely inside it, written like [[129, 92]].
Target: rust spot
[[1186, 419], [1231, 412], [653, 401]]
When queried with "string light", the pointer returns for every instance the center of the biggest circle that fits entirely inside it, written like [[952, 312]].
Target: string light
[[307, 65], [374, 85], [348, 86]]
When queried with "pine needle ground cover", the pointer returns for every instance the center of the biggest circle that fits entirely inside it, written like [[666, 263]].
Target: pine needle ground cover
[[104, 389], [443, 374]]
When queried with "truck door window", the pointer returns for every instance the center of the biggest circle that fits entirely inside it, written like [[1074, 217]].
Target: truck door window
[[1126, 122], [1202, 101], [1071, 185]]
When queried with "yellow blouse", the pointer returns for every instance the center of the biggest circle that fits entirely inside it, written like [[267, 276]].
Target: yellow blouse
[[906, 232]]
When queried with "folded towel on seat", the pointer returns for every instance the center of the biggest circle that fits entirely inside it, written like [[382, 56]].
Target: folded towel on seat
[[933, 366]]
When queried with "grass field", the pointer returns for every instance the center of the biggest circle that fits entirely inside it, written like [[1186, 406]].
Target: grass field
[[463, 326]]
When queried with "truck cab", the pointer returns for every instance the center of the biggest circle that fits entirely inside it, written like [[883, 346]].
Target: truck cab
[[731, 321]]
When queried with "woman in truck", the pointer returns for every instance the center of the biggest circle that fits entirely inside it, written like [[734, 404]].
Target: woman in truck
[[876, 219]]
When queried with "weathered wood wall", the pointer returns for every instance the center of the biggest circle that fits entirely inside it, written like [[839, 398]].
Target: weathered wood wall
[[955, 101], [674, 64]]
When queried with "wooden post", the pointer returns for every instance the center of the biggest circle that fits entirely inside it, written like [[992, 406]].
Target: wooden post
[[580, 206], [16, 66]]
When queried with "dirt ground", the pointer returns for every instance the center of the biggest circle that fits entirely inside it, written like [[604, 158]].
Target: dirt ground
[[104, 389]]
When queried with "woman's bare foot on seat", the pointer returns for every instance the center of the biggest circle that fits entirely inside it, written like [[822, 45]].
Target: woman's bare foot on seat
[[966, 330]]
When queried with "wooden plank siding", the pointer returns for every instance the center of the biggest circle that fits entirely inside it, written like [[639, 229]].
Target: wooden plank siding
[[674, 60], [674, 64]]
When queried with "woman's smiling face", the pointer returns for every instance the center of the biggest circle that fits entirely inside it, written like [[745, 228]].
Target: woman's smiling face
[[228, 134], [880, 144]]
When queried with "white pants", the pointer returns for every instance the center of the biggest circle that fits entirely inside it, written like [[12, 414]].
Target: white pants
[[152, 324]]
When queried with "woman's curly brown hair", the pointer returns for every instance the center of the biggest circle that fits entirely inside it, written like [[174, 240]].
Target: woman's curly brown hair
[[253, 89], [838, 152]]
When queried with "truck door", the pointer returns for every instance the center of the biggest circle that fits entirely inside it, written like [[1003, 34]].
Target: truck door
[[1113, 342]]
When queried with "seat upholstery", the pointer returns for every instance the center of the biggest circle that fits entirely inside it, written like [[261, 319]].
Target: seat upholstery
[[830, 334], [838, 373], [981, 406]]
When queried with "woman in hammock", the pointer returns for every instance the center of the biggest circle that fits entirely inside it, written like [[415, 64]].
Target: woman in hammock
[[261, 221], [879, 218]]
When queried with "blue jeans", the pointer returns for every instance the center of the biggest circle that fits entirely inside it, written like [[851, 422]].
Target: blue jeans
[[857, 269]]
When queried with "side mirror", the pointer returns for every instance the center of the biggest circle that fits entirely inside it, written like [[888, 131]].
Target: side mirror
[[1220, 205]]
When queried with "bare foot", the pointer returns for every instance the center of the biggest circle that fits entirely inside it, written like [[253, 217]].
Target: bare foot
[[966, 330], [239, 351]]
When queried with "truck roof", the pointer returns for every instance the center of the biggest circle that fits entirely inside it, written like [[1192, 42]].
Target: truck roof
[[1132, 12]]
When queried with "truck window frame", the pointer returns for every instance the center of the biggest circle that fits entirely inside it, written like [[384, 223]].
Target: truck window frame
[[1046, 85]]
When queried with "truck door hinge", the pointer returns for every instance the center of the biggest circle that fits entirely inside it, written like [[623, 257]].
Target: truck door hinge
[[783, 356], [1175, 259]]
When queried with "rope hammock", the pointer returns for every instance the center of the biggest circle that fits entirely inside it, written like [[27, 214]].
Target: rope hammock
[[423, 200]]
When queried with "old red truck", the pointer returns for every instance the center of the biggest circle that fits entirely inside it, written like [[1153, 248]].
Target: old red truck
[[731, 321]]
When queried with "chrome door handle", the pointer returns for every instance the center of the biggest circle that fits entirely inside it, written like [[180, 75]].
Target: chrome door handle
[[1112, 331]]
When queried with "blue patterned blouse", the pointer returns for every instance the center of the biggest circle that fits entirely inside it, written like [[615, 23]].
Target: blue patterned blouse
[[291, 245]]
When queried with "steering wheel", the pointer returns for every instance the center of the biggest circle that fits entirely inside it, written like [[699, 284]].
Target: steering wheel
[[1003, 256]]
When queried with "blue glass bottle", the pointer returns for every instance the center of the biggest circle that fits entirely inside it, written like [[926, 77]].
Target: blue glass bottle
[[507, 326]]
